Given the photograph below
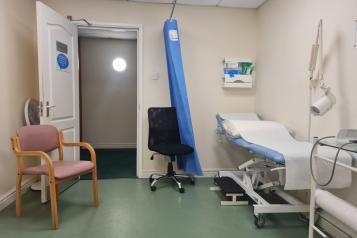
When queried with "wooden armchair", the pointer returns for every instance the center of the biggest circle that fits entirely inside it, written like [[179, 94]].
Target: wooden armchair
[[38, 141]]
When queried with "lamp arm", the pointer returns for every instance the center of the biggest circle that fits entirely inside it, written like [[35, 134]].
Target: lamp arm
[[323, 85]]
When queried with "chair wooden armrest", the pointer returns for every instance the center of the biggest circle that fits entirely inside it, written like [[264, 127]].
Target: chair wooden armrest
[[79, 144], [20, 155], [84, 145], [93, 159], [42, 155]]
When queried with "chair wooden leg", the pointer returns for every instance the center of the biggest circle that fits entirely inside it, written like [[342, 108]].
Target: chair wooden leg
[[95, 188], [57, 191], [18, 195], [54, 214]]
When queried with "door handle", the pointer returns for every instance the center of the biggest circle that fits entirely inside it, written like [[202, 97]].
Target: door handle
[[48, 107]]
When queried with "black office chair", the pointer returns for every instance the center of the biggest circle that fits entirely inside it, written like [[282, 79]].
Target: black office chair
[[164, 139]]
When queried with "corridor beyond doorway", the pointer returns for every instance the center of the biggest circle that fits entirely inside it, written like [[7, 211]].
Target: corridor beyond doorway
[[113, 163], [108, 85]]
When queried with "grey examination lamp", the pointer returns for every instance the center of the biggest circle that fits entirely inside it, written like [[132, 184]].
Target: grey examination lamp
[[326, 102]]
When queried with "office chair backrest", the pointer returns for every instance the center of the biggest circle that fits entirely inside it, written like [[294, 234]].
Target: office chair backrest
[[38, 137], [163, 126]]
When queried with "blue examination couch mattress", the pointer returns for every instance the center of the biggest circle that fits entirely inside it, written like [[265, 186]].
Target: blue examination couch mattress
[[256, 149]]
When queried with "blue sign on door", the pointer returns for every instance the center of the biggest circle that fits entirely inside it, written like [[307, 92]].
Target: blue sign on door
[[62, 61]]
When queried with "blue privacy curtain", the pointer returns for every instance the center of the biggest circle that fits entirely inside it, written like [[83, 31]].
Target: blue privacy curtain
[[189, 163]]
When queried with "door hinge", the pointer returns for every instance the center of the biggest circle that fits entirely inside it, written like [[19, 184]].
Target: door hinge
[[47, 109], [41, 108]]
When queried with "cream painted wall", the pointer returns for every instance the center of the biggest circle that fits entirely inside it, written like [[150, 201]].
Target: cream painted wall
[[108, 97], [208, 34], [18, 74], [286, 31]]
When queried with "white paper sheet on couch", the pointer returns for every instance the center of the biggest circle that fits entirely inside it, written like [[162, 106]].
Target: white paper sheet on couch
[[228, 117], [274, 136]]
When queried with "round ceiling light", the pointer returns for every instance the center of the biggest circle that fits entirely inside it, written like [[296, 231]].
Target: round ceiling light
[[119, 64]]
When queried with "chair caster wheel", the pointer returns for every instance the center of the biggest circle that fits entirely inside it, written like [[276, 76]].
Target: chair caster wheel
[[151, 180], [153, 188], [192, 182], [181, 190], [259, 221]]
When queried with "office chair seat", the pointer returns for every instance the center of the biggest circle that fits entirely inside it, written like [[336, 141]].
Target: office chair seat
[[173, 149]]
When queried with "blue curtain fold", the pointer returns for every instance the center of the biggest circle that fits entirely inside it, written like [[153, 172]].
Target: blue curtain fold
[[178, 95]]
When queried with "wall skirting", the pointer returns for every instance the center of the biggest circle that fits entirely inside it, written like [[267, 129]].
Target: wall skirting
[[9, 197], [114, 145]]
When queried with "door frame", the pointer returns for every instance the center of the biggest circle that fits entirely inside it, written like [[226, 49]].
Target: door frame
[[139, 91]]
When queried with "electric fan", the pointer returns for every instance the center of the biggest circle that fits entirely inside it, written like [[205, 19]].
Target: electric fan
[[32, 117], [32, 112]]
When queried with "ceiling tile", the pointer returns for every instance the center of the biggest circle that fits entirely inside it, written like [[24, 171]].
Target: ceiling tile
[[152, 1], [222, 3], [241, 3], [199, 2]]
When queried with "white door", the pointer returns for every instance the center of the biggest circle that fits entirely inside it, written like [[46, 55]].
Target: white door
[[57, 40]]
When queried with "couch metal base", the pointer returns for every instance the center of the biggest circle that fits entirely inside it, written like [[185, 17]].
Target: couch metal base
[[262, 206]]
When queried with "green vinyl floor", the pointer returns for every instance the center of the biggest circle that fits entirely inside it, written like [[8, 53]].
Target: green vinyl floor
[[113, 163], [128, 209]]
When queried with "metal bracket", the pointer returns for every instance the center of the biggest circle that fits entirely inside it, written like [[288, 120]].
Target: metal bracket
[[82, 19], [355, 44], [173, 8]]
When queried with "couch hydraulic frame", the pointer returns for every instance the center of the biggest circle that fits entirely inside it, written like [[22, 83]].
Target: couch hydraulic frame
[[255, 175]]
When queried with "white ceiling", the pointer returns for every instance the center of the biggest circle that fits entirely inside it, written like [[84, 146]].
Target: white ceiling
[[219, 3]]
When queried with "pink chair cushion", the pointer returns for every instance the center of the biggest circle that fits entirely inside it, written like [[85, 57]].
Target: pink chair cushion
[[63, 169], [38, 137]]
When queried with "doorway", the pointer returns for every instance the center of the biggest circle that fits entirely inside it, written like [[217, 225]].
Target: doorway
[[110, 98], [59, 76]]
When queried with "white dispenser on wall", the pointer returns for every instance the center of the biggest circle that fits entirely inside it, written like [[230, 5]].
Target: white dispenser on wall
[[238, 73]]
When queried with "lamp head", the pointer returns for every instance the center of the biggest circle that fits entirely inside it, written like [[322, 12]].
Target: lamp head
[[324, 104]]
